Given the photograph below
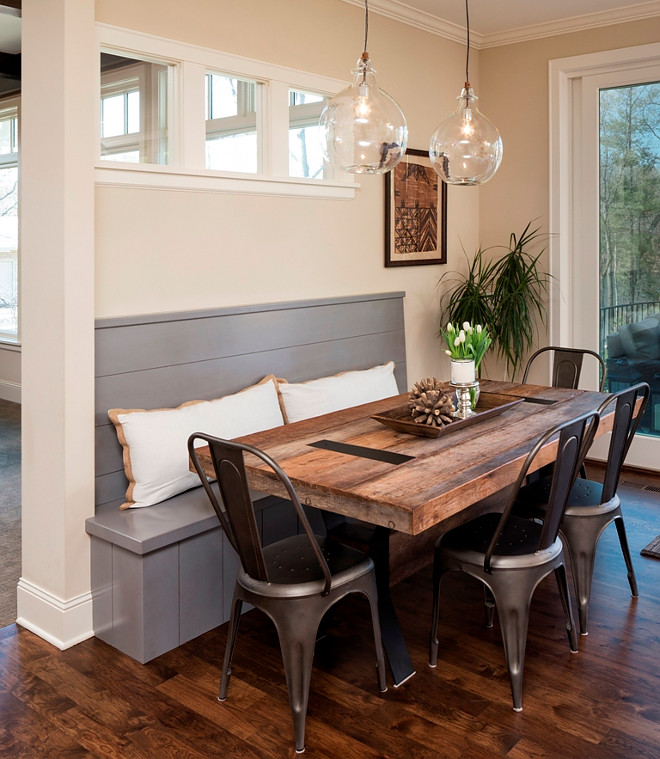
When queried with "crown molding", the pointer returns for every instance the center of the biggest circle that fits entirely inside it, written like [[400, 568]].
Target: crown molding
[[575, 24], [420, 19], [427, 22]]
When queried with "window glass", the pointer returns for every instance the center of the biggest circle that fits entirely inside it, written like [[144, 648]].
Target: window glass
[[112, 116], [9, 221], [134, 110], [629, 272], [305, 154], [232, 137]]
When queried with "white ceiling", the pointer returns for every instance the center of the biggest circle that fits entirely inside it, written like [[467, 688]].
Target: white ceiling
[[498, 22]]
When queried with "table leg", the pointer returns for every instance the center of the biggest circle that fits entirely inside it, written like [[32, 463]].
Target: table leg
[[393, 641], [376, 542]]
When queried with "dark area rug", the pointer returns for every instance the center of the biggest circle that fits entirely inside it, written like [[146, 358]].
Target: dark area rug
[[10, 508], [652, 549]]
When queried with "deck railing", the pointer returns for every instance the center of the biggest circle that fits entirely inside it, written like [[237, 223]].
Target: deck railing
[[613, 318]]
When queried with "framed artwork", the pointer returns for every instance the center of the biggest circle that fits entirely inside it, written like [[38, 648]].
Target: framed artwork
[[415, 213]]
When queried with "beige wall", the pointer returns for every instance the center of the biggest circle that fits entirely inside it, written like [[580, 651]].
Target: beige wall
[[162, 251], [514, 95], [159, 251]]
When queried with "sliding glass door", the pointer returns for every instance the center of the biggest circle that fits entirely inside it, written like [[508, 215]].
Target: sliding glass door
[[605, 216]]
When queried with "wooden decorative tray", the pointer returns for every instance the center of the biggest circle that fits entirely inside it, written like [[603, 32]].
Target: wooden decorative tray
[[488, 405]]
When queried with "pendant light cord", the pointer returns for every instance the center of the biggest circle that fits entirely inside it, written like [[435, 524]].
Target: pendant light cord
[[366, 24], [467, 54]]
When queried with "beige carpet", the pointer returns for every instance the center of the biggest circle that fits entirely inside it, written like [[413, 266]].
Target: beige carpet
[[10, 509]]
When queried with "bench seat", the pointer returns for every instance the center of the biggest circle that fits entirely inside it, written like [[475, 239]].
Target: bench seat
[[163, 575]]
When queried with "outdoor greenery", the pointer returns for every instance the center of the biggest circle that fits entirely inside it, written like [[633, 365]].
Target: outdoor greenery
[[630, 194], [505, 294]]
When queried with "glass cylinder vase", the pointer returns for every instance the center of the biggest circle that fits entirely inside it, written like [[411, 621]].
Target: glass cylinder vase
[[462, 371]]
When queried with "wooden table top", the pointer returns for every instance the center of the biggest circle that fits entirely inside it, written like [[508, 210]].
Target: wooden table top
[[445, 476]]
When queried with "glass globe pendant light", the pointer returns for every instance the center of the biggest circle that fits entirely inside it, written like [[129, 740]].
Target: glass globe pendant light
[[466, 149], [363, 129]]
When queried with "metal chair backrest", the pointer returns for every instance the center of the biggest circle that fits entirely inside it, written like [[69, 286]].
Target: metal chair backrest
[[567, 366], [238, 519], [575, 438], [630, 405]]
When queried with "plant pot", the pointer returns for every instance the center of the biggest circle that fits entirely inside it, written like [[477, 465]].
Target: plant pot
[[462, 371]]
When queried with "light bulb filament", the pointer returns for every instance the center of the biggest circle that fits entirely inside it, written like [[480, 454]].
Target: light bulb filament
[[467, 128], [363, 106]]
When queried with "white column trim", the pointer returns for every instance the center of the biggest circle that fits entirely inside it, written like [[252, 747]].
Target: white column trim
[[62, 622]]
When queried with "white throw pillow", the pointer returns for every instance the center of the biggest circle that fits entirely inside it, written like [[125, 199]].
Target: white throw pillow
[[303, 400], [155, 442]]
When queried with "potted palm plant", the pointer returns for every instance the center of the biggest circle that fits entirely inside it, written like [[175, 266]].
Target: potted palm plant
[[506, 294]]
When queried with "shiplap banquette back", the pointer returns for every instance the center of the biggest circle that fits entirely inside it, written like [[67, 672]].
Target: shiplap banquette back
[[162, 360]]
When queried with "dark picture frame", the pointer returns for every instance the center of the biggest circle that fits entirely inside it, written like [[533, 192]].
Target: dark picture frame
[[415, 213]]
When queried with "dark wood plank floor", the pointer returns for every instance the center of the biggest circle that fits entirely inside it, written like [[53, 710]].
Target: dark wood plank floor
[[603, 702]]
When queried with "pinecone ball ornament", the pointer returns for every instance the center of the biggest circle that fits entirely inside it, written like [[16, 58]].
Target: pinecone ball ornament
[[430, 404]]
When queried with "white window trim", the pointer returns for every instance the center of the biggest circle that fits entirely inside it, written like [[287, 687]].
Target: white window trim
[[187, 170]]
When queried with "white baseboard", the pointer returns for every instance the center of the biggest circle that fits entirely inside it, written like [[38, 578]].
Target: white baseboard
[[62, 623], [10, 391]]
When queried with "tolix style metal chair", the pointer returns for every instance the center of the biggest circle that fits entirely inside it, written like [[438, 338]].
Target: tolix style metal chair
[[566, 370], [294, 581], [592, 506], [567, 365], [511, 555]]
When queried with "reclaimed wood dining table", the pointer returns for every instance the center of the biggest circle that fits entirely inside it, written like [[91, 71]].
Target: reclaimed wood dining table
[[348, 463]]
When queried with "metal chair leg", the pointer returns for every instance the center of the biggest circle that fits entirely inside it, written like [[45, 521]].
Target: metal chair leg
[[489, 601], [378, 641], [237, 605], [513, 598], [297, 641], [438, 571], [562, 585], [581, 536], [625, 550]]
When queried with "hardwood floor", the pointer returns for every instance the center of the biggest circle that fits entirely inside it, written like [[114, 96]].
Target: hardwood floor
[[603, 702]]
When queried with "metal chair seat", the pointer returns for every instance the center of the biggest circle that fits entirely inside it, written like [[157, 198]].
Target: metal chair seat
[[294, 571], [584, 500], [516, 546], [295, 581], [593, 506], [511, 555]]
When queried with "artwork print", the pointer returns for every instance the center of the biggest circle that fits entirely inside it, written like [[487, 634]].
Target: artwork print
[[415, 213]]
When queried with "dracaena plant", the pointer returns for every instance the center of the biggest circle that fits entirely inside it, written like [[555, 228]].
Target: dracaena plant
[[507, 293]]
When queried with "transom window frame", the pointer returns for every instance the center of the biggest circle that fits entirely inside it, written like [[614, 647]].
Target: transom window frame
[[187, 167], [250, 116], [123, 81]]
